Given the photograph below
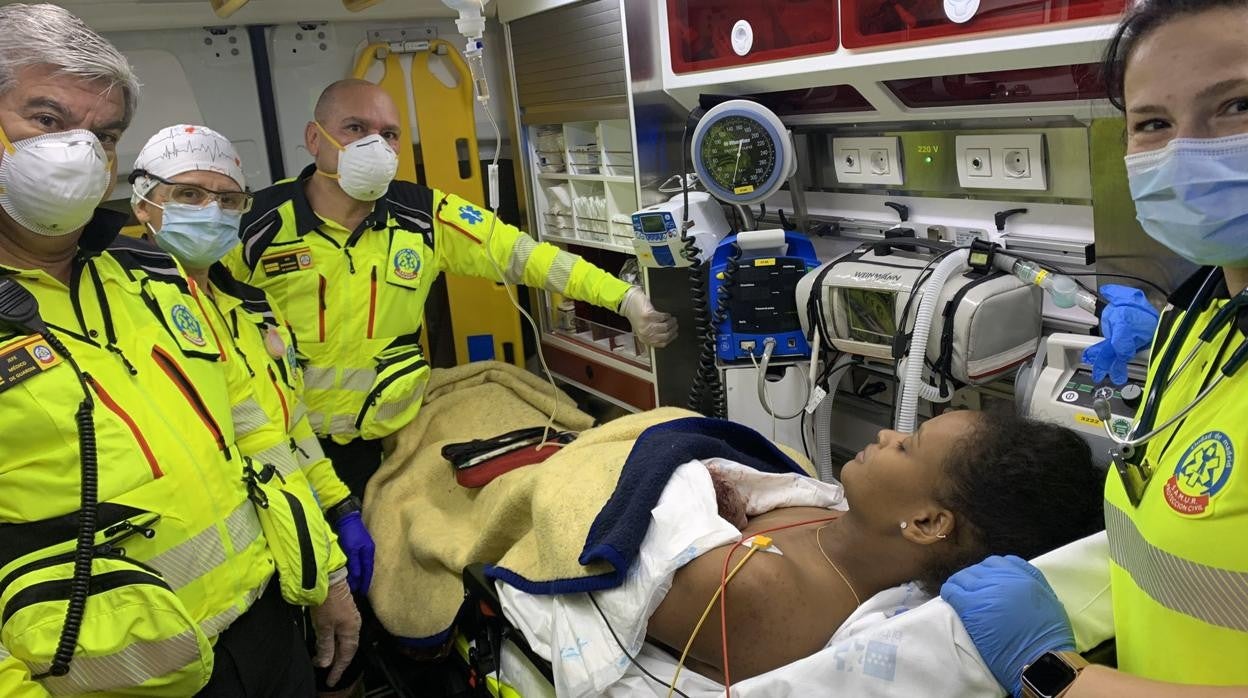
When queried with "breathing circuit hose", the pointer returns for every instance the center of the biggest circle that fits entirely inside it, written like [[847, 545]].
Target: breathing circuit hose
[[912, 378]]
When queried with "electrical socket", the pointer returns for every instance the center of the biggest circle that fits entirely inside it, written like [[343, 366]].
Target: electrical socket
[[979, 162], [879, 158], [849, 161], [1011, 161], [1017, 163], [882, 165]]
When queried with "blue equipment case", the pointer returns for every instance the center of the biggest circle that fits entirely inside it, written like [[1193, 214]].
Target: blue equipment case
[[754, 297]]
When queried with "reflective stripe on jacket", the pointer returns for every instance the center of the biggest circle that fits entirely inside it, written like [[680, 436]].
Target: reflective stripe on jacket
[[174, 416]]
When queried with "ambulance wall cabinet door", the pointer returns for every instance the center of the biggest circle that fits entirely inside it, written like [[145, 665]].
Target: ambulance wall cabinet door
[[825, 99], [869, 23], [706, 34], [1062, 83]]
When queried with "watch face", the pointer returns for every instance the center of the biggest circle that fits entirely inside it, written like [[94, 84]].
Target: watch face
[[1048, 676]]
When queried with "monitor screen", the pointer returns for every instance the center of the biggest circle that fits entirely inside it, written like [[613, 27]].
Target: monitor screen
[[653, 223], [870, 315]]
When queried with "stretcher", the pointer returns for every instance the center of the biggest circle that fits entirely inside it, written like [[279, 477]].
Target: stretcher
[[500, 660], [484, 322]]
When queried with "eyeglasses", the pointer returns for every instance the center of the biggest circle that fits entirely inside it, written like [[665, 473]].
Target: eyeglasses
[[195, 195]]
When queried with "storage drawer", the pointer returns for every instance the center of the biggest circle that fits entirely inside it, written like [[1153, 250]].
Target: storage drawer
[[610, 381]]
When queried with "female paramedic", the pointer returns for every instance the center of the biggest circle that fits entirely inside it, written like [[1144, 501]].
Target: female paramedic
[[188, 192], [141, 523], [1176, 501]]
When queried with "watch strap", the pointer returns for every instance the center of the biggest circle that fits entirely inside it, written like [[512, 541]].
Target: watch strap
[[349, 505], [1074, 660]]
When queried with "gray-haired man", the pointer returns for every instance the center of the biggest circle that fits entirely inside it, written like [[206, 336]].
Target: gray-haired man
[[131, 551]]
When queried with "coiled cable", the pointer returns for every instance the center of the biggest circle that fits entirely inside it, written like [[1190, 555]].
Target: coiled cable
[[706, 394], [20, 309], [724, 295], [84, 552]]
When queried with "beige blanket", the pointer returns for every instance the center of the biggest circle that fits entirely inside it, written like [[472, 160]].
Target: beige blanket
[[533, 520]]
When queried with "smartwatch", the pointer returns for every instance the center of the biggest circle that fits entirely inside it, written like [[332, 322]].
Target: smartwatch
[[335, 513], [1051, 674]]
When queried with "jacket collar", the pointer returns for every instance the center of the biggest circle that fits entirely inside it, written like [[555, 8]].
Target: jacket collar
[[306, 219], [1185, 295], [101, 230]]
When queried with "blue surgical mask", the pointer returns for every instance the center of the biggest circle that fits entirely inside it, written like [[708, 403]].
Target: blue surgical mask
[[1192, 196], [198, 236]]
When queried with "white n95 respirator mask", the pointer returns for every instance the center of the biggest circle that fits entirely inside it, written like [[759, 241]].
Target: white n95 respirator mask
[[51, 184], [365, 167]]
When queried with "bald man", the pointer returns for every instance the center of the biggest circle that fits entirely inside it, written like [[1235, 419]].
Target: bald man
[[350, 254]]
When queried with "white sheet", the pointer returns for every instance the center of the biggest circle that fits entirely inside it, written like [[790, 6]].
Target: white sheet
[[898, 643]]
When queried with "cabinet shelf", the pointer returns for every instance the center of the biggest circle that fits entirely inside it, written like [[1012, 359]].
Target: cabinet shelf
[[608, 246], [564, 177], [576, 207]]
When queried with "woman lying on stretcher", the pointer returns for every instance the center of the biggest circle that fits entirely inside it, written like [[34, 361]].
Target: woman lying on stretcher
[[922, 506]]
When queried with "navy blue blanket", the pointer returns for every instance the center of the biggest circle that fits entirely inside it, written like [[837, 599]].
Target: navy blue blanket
[[616, 534]]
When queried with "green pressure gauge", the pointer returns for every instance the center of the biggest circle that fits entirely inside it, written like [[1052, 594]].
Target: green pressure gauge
[[742, 152]]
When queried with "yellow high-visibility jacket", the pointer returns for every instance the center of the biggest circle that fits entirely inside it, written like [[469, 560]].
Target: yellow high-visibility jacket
[[355, 298], [173, 418], [1179, 571]]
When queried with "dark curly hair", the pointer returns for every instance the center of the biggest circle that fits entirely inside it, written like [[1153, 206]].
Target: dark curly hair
[[1017, 487], [1138, 23]]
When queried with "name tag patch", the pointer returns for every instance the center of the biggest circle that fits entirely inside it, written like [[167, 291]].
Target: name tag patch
[[27, 358], [278, 263]]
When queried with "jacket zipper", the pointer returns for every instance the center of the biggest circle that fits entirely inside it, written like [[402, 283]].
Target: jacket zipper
[[134, 428], [321, 302], [372, 302], [373, 394], [281, 397], [175, 374], [211, 327]]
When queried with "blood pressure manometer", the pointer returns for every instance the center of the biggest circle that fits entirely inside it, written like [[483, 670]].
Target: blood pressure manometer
[[742, 152]]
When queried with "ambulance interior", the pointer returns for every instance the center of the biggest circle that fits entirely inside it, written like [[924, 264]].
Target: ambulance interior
[[882, 133]]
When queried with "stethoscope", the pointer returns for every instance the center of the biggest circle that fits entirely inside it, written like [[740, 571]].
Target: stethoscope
[[1136, 475]]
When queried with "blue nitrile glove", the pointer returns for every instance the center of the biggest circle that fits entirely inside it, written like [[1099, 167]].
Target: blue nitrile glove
[[358, 546], [1011, 613], [1128, 324]]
